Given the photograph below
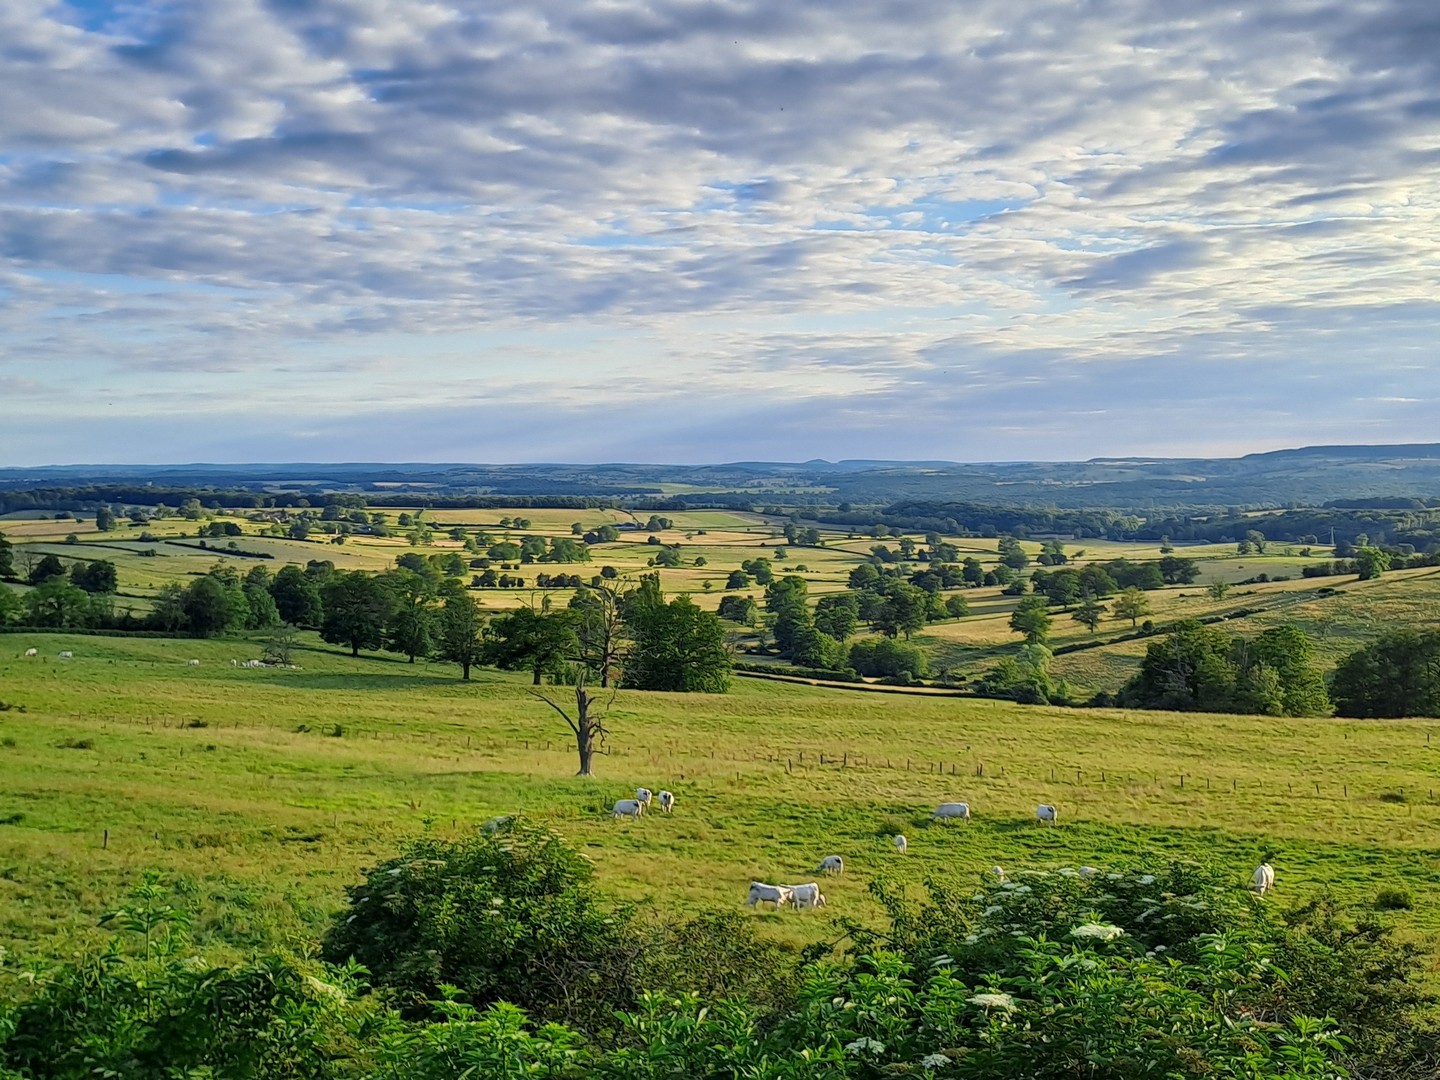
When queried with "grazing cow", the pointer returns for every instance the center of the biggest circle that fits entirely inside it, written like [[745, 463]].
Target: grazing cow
[[667, 801], [900, 844], [32, 652], [952, 811], [234, 663], [779, 895], [806, 896], [1263, 880], [631, 808], [67, 655], [192, 663], [642, 795], [999, 873], [1045, 812], [254, 663], [831, 864]]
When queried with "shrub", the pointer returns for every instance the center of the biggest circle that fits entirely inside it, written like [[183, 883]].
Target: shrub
[[511, 915], [1393, 898]]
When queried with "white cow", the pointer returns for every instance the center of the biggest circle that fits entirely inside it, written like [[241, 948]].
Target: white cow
[[831, 864], [642, 795], [192, 663], [32, 652], [234, 663], [67, 655], [952, 811], [900, 844], [779, 895], [254, 663], [806, 896], [667, 801], [998, 872], [1045, 812], [1263, 880], [631, 808]]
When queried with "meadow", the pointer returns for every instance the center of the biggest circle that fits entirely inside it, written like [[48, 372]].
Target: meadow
[[263, 793]]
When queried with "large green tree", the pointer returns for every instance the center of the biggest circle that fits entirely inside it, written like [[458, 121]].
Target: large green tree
[[56, 602], [297, 597], [411, 627], [677, 646], [1031, 618], [1396, 675], [357, 610], [526, 639], [459, 640], [7, 558], [1131, 604]]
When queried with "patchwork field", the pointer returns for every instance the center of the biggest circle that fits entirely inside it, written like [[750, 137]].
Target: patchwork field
[[264, 792]]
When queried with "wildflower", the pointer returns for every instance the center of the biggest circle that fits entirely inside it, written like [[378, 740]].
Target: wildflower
[[1098, 931], [993, 1001], [934, 1061], [862, 1045]]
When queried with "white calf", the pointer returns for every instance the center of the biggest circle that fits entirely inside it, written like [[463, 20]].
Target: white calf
[[900, 844], [642, 795], [952, 811], [67, 655], [631, 808], [32, 652], [831, 864], [192, 663], [806, 896], [1045, 812], [667, 801], [1263, 880], [779, 895]]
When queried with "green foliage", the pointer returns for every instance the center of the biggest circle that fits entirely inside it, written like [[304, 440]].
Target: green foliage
[[1198, 667], [739, 609], [1031, 619], [357, 609], [676, 646], [460, 627], [887, 657], [1396, 675], [510, 915], [526, 639]]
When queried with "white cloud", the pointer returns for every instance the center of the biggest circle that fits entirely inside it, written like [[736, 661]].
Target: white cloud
[[1006, 211]]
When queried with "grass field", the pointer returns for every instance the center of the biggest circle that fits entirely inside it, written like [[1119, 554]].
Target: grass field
[[237, 783]]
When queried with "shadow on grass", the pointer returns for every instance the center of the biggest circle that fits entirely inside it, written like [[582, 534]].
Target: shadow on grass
[[346, 681]]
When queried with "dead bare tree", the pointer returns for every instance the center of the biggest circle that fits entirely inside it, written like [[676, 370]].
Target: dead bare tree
[[588, 719]]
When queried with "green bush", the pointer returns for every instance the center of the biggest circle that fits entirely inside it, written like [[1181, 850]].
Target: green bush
[[511, 915]]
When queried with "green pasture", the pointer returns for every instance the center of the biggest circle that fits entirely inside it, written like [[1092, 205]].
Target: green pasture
[[265, 792]]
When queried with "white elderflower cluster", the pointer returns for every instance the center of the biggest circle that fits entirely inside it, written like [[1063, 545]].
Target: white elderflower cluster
[[993, 1001], [1097, 931]]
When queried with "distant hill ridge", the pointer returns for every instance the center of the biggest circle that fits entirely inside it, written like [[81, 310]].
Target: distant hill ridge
[[1311, 475]]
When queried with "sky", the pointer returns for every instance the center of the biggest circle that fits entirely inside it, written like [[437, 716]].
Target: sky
[[711, 230]]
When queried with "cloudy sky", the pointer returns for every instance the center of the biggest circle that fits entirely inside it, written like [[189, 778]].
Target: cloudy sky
[[707, 230]]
